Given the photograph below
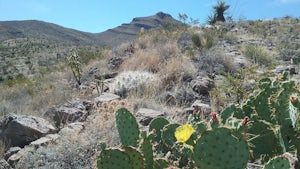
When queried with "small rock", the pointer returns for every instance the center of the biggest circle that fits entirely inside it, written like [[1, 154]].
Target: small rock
[[106, 76], [13, 160], [106, 97], [292, 69], [10, 152], [69, 112], [146, 115], [202, 85], [72, 128], [45, 140], [4, 164], [115, 62], [20, 130], [201, 107], [188, 111]]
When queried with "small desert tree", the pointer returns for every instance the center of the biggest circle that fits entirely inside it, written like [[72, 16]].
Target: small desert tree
[[218, 12], [74, 63]]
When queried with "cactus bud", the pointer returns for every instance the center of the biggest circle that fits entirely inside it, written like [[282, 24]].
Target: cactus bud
[[214, 116], [294, 99], [270, 100], [245, 121]]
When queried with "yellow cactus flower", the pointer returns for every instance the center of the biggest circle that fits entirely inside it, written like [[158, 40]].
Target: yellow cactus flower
[[183, 133]]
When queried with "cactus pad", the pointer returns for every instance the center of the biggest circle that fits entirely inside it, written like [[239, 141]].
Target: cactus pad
[[113, 159], [135, 157], [158, 124], [147, 150], [127, 128], [221, 149], [168, 136], [265, 141], [160, 164], [278, 163]]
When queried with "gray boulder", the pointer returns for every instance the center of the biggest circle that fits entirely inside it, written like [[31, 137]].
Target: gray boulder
[[70, 112], [202, 108], [145, 115], [20, 130], [106, 97]]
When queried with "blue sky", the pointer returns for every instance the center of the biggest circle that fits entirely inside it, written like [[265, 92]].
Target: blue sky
[[100, 15]]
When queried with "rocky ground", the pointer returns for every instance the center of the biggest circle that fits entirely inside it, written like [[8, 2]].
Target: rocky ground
[[159, 74]]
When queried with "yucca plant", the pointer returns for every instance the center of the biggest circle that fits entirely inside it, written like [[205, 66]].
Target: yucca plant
[[218, 13]]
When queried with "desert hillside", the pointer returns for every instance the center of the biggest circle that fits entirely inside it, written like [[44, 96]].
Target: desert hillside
[[156, 67]]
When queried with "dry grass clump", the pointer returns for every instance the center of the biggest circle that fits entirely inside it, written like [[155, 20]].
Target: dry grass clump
[[143, 60], [258, 54], [215, 61], [175, 69]]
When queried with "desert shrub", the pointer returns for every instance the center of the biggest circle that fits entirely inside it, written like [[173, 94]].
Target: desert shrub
[[215, 61], [258, 54], [143, 60], [176, 69], [196, 40], [18, 80], [132, 80], [88, 54], [168, 50]]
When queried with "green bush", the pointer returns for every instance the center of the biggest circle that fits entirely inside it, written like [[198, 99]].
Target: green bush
[[258, 54], [196, 40]]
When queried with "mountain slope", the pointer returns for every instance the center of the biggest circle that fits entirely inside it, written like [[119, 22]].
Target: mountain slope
[[44, 30], [115, 36], [128, 31], [26, 47]]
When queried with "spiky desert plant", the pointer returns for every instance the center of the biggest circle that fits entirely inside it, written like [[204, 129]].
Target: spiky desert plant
[[218, 13], [219, 10], [74, 63]]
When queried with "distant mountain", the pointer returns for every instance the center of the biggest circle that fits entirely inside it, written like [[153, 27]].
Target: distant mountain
[[128, 31], [115, 36], [27, 47], [43, 30]]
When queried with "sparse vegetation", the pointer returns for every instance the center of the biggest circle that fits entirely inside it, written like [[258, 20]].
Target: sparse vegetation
[[161, 69], [258, 54]]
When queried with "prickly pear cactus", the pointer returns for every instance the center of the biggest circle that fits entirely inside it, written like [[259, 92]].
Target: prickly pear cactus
[[157, 125], [127, 128], [135, 157], [160, 164], [261, 102], [278, 163], [264, 139], [147, 150], [221, 148], [113, 159], [285, 115], [168, 136]]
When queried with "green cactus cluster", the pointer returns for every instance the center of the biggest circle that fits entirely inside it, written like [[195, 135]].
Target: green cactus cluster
[[261, 128]]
